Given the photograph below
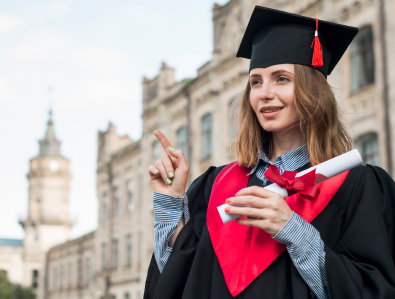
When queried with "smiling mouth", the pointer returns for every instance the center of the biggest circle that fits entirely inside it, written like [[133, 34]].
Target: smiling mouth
[[272, 110]]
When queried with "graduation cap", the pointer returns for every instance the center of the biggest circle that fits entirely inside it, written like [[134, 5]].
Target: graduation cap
[[275, 37]]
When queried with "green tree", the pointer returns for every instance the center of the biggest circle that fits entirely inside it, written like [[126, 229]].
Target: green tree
[[13, 291], [21, 292], [6, 289]]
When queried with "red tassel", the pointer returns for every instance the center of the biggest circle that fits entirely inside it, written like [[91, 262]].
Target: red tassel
[[317, 53]]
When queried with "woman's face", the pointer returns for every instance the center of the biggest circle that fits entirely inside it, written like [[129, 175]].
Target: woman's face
[[272, 97]]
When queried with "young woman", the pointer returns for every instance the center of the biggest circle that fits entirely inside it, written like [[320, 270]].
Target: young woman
[[338, 245]]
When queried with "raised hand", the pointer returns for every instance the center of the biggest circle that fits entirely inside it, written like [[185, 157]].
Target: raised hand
[[170, 174]]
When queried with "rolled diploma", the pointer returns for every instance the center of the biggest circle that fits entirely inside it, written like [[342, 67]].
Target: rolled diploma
[[328, 168]]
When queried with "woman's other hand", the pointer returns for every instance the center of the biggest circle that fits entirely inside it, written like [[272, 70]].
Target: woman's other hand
[[170, 174], [270, 208]]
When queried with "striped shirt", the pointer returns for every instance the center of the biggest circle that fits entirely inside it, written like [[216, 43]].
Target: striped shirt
[[303, 241]]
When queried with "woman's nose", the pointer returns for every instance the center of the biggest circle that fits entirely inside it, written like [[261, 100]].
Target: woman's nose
[[266, 92]]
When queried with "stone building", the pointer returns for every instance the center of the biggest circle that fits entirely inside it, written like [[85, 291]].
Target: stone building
[[196, 115], [47, 223]]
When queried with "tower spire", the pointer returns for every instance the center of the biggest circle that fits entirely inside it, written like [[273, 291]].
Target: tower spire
[[50, 145]]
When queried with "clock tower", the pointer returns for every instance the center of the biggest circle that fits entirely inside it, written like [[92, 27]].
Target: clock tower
[[47, 223]]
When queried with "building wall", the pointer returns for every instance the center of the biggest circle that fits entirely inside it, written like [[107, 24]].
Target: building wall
[[169, 105], [70, 269], [11, 261]]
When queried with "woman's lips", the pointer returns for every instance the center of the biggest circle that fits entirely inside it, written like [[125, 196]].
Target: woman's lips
[[271, 114]]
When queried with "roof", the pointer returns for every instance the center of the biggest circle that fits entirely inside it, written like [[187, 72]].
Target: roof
[[11, 242], [50, 145]]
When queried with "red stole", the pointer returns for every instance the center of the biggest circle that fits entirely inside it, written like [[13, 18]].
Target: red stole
[[245, 252]]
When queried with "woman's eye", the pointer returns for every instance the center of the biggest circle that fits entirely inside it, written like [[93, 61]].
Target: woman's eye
[[255, 82], [283, 79]]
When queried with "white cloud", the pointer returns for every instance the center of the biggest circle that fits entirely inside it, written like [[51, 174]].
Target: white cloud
[[139, 12], [108, 91], [38, 48], [99, 59], [42, 12], [8, 23]]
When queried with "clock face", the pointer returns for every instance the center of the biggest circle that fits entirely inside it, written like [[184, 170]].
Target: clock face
[[54, 166]]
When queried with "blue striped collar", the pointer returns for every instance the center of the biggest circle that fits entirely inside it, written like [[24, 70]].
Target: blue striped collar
[[289, 161]]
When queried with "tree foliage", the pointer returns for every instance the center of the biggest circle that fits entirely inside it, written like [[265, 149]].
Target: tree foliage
[[9, 290]]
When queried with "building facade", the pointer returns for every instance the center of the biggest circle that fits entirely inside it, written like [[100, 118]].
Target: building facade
[[197, 116], [47, 223]]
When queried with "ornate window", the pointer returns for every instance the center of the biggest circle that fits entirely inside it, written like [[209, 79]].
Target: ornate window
[[105, 212], [54, 278], [88, 269], [116, 202], [62, 281], [103, 256], [156, 151], [368, 147], [70, 274], [79, 272], [182, 142], [129, 194], [362, 59], [115, 253], [129, 251], [232, 121], [206, 137], [35, 279]]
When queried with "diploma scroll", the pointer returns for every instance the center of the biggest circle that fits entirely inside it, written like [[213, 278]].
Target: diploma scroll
[[323, 171]]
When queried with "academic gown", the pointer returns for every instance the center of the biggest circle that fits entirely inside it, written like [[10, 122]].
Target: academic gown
[[356, 228]]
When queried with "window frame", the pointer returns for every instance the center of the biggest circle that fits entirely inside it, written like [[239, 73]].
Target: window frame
[[359, 55], [206, 137]]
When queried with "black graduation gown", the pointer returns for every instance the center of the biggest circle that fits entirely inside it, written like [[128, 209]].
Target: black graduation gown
[[356, 227]]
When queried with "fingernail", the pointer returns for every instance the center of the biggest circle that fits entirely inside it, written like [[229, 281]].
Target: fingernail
[[156, 171], [237, 220], [227, 210], [171, 174], [227, 200], [172, 149], [168, 181], [237, 194]]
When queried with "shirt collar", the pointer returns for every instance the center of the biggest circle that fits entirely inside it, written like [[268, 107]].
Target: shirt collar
[[290, 161]]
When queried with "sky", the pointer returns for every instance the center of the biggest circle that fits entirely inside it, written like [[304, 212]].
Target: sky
[[93, 55]]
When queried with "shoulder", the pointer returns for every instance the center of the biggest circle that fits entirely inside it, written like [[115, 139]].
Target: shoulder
[[369, 175], [207, 178], [371, 189]]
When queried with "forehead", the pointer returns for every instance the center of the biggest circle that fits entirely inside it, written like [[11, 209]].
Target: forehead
[[289, 67]]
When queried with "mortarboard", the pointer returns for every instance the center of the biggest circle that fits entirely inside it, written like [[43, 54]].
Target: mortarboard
[[275, 37]]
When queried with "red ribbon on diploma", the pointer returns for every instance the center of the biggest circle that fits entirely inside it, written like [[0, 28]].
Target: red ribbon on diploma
[[304, 185]]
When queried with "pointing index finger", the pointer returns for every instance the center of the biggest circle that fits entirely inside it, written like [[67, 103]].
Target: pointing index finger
[[163, 141]]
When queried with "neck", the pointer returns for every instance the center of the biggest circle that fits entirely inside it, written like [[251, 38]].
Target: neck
[[286, 141]]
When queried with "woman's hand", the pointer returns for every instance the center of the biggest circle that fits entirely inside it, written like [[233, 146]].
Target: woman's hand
[[170, 174], [271, 209]]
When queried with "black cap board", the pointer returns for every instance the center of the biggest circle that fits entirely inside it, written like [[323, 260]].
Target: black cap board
[[275, 37]]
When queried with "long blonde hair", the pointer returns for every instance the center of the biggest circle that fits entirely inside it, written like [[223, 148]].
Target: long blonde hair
[[319, 116]]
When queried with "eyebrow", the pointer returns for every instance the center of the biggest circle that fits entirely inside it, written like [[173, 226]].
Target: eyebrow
[[274, 73], [281, 71]]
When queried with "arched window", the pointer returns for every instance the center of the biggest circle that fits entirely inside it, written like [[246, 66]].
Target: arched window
[[35, 279], [130, 192], [182, 141], [232, 118], [206, 137], [362, 59], [156, 151], [129, 250], [368, 147]]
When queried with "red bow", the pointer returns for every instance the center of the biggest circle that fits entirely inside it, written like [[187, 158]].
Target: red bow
[[304, 185]]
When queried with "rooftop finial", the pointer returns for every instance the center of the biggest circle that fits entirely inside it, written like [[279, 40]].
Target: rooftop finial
[[50, 101]]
